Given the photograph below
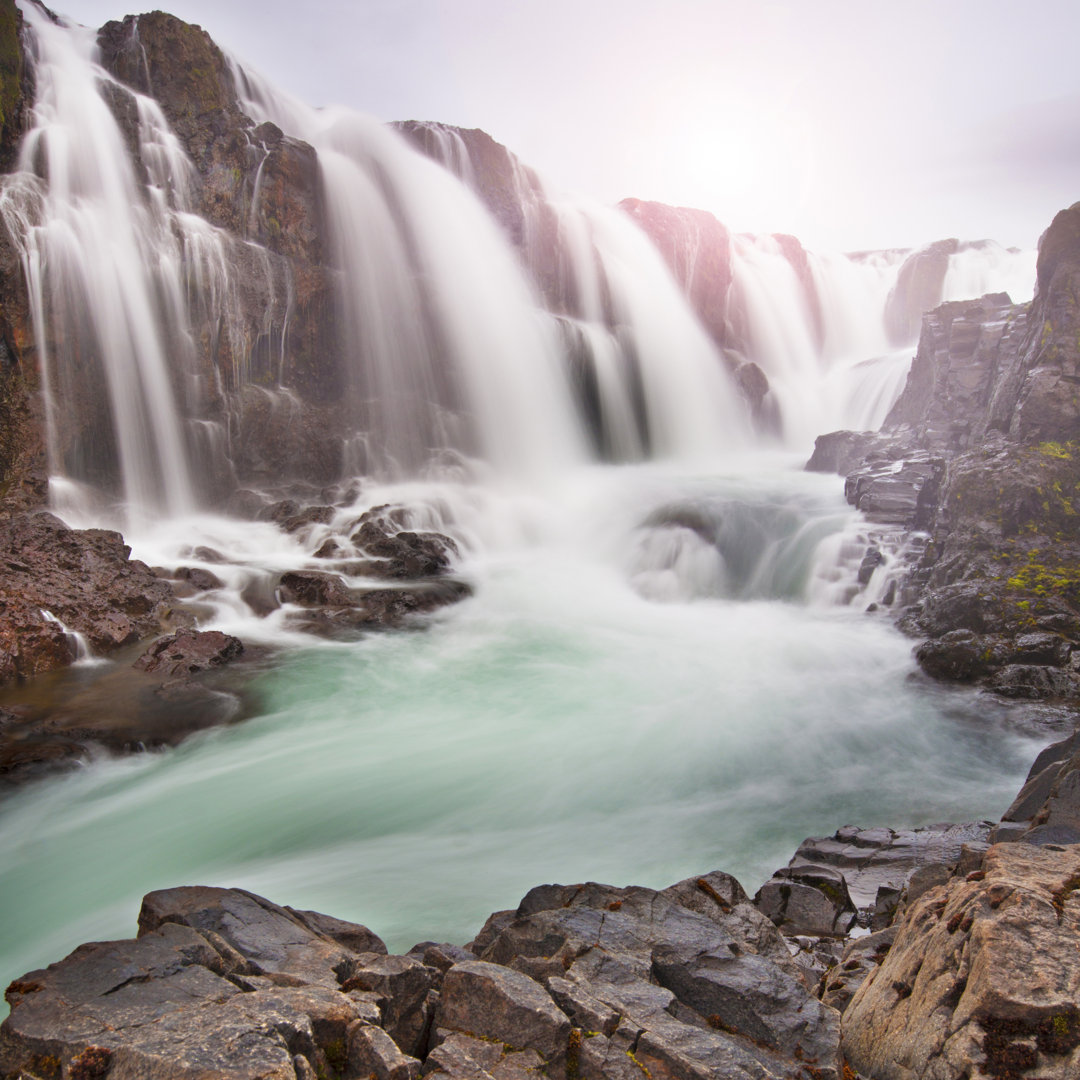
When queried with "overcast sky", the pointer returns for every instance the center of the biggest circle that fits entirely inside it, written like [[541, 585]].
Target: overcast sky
[[851, 123]]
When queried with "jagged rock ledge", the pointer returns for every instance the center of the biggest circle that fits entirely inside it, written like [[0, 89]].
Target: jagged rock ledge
[[969, 972], [972, 487], [69, 590]]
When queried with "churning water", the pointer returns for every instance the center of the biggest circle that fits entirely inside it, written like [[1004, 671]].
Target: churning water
[[659, 672], [621, 700]]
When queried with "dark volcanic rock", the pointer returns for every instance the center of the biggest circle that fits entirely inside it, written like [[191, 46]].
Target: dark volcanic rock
[[314, 588], [373, 609], [85, 579], [198, 579], [189, 651], [400, 553]]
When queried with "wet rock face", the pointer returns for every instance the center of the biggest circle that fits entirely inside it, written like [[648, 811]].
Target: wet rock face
[[1047, 406], [1047, 809], [188, 651], [981, 980], [962, 369], [258, 185], [697, 250], [378, 544], [85, 579], [12, 75]]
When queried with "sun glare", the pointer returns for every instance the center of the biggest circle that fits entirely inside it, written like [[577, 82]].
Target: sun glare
[[757, 165]]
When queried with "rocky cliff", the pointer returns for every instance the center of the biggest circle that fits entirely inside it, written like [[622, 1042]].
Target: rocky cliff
[[979, 456]]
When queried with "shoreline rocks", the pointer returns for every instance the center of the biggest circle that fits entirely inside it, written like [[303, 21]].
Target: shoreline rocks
[[71, 594], [971, 974]]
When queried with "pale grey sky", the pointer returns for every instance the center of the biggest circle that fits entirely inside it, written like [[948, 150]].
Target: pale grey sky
[[851, 123]]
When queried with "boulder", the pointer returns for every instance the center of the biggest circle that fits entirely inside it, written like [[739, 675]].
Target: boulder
[[189, 651], [314, 588], [982, 978], [462, 1057], [169, 1004], [490, 1001], [808, 900], [400, 986], [272, 941], [371, 1052], [397, 552], [84, 579], [691, 984]]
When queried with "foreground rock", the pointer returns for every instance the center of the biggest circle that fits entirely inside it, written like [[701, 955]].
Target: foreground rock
[[970, 974], [982, 980], [581, 981], [58, 581]]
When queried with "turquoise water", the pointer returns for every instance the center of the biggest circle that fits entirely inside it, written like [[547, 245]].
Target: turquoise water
[[563, 724]]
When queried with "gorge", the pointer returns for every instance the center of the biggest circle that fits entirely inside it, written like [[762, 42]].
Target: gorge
[[502, 496]]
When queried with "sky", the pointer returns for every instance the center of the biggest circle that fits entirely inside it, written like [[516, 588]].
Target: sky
[[853, 124]]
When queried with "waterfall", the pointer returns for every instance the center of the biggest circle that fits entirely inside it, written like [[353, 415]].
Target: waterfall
[[644, 638], [985, 267], [816, 324], [104, 271], [449, 344]]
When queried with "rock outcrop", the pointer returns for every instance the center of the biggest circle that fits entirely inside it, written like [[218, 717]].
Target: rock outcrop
[[982, 979], [584, 981], [75, 594], [978, 457], [60, 581]]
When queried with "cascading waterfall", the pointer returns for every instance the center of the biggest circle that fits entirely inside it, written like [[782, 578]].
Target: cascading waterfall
[[820, 334], [102, 267], [641, 686], [985, 267], [448, 347], [819, 338]]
